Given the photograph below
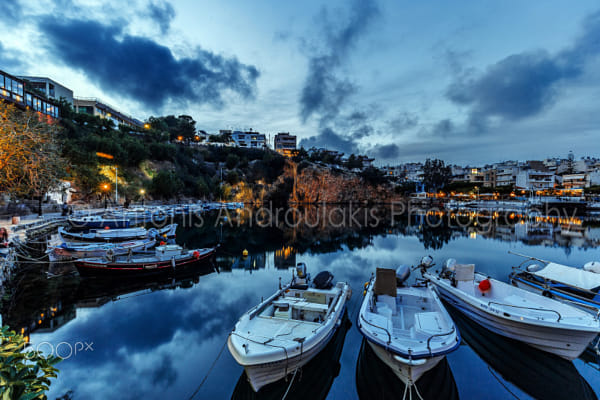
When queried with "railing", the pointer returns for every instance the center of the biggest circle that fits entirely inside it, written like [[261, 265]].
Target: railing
[[378, 327], [437, 335], [528, 308]]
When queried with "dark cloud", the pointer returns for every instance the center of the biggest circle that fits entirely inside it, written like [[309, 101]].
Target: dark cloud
[[443, 127], [11, 60], [162, 12], [324, 92], [403, 121], [165, 373], [523, 85], [11, 10], [386, 151], [142, 69], [362, 131], [328, 139]]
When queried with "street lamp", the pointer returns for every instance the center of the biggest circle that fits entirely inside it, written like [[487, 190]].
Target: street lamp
[[142, 193], [105, 188]]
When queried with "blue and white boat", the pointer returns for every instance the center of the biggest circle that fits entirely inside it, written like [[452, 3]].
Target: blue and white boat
[[576, 286], [98, 222], [408, 328]]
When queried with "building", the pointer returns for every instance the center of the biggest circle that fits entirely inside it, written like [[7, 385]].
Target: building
[[52, 89], [12, 89], [253, 140], [93, 106], [489, 178], [575, 181], [531, 179], [285, 144], [506, 175]]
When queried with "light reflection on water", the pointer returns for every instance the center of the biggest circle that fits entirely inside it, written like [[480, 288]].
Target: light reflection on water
[[158, 340]]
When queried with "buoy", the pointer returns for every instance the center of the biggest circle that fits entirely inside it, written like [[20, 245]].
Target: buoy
[[366, 284], [106, 227], [245, 253], [162, 243], [485, 285], [196, 254]]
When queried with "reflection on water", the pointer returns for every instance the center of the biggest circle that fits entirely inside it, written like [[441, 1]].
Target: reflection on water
[[167, 333], [376, 381], [539, 374], [312, 381]]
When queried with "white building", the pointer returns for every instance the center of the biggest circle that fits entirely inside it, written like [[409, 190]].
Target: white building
[[250, 139], [534, 180]]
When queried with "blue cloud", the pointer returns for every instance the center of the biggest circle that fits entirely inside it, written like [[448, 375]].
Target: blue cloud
[[143, 70], [329, 139], [162, 13], [523, 85], [324, 92]]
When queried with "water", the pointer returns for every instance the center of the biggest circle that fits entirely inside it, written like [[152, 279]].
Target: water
[[159, 339]]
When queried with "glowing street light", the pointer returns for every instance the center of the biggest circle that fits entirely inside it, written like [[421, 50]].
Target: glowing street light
[[105, 188], [142, 193]]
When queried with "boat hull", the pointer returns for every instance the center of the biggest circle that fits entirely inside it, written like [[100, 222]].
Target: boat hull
[[260, 375], [566, 343], [102, 224], [408, 374], [123, 269]]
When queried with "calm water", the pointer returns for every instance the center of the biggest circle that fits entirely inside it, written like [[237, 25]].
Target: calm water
[[157, 340]]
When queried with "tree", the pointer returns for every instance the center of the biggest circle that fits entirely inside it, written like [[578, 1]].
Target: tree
[[436, 175], [232, 161], [30, 161], [23, 374], [166, 185]]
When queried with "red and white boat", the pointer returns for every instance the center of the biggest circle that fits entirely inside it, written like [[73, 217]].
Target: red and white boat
[[166, 259]]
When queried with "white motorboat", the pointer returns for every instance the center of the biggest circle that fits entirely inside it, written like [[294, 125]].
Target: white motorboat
[[285, 331], [407, 327], [509, 311]]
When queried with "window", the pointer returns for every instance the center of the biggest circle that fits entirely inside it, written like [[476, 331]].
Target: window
[[19, 88], [1, 81], [29, 99]]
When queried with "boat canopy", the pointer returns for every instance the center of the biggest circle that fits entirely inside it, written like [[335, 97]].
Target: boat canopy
[[571, 276]]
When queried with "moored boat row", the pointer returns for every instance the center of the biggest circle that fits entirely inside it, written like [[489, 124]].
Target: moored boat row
[[407, 327]]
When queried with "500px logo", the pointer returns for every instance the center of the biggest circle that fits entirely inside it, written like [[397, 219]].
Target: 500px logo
[[63, 350]]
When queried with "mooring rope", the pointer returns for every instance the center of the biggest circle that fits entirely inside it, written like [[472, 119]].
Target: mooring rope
[[290, 385], [209, 370]]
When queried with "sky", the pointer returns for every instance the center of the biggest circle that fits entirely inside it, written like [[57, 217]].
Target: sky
[[470, 82]]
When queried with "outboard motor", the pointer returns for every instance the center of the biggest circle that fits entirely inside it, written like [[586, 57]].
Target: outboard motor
[[533, 268], [323, 280], [402, 274], [300, 280], [425, 263], [449, 268], [301, 270]]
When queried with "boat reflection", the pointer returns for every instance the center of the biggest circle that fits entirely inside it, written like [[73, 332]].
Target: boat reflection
[[375, 380], [539, 374], [313, 381]]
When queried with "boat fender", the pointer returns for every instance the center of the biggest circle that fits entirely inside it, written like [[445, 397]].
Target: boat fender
[[196, 254], [173, 262], [485, 286], [106, 228]]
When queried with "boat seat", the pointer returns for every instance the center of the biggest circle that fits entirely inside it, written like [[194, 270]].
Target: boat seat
[[428, 323], [465, 277]]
